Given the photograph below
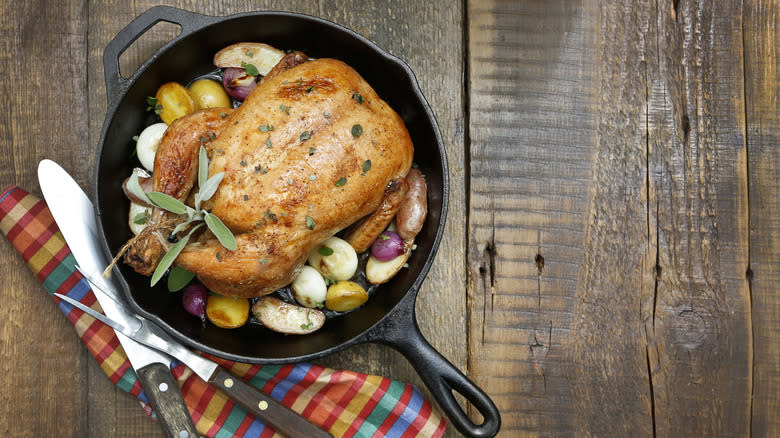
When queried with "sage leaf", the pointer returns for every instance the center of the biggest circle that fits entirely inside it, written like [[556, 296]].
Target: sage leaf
[[208, 189], [178, 278], [167, 260], [203, 167], [134, 187], [167, 202], [222, 232]]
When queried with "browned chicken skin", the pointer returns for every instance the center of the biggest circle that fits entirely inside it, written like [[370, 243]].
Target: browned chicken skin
[[308, 153]]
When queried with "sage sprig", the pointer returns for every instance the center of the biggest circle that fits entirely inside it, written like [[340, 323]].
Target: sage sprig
[[207, 188]]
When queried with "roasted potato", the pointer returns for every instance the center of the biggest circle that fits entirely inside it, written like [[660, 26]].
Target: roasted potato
[[227, 312], [262, 56], [284, 317], [209, 94], [175, 100], [344, 296]]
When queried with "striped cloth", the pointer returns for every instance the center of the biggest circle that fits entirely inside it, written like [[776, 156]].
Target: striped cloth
[[347, 404]]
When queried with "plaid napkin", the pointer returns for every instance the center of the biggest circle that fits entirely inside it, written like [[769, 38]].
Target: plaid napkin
[[347, 404]]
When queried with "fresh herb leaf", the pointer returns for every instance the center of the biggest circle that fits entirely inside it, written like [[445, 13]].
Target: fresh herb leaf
[[358, 98], [203, 166], [271, 215], [284, 108], [222, 232], [341, 181], [250, 69], [268, 142], [310, 224], [140, 218], [167, 260], [167, 202], [223, 115], [310, 89], [312, 150], [134, 187], [305, 135], [327, 114], [153, 105], [266, 128], [178, 278], [366, 166], [210, 187], [357, 130], [325, 250]]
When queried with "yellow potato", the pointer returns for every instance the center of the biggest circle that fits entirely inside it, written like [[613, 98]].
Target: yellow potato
[[345, 295], [227, 312], [209, 93], [175, 100]]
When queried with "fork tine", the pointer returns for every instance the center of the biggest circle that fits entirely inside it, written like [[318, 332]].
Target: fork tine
[[116, 325]]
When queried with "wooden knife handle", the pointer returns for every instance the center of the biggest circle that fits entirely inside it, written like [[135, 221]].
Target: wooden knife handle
[[284, 420], [166, 400]]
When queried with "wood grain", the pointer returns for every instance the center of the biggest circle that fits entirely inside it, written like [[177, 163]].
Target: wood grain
[[41, 72]]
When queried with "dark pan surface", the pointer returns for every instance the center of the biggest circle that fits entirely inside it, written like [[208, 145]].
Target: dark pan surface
[[190, 55]]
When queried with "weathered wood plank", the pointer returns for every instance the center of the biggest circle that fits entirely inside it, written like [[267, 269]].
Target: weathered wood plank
[[762, 136], [533, 131], [700, 328], [42, 57]]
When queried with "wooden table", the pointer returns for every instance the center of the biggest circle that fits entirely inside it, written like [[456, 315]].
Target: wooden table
[[612, 252]]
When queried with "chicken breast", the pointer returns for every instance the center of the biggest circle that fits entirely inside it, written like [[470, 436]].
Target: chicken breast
[[308, 153]]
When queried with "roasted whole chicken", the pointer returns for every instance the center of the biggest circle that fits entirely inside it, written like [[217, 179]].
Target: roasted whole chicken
[[312, 150]]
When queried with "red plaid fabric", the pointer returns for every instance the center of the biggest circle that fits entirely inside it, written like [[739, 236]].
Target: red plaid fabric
[[345, 403]]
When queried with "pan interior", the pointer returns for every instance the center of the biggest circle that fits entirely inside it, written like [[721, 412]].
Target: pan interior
[[191, 56]]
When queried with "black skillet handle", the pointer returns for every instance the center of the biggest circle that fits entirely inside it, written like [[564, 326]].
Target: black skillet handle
[[116, 85], [402, 333]]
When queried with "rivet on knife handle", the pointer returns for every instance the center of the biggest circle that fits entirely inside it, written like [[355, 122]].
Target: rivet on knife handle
[[280, 417], [164, 393]]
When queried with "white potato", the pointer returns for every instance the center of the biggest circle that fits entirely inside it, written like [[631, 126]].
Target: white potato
[[148, 141], [262, 56], [137, 217], [284, 317], [380, 272], [335, 259], [309, 288]]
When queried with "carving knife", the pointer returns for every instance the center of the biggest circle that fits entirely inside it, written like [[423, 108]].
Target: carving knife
[[75, 217], [123, 320]]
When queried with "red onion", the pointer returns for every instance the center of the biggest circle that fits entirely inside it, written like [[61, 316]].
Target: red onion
[[387, 246], [238, 83], [194, 300]]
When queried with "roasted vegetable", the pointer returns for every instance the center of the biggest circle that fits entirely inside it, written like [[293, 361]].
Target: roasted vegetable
[[209, 94], [175, 101], [261, 57], [194, 300], [284, 317], [335, 259], [227, 312], [378, 272], [344, 296], [148, 141], [387, 246], [309, 288], [411, 214], [139, 214], [238, 83]]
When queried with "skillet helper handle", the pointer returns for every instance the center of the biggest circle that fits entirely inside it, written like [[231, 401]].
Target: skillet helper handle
[[284, 420], [442, 378], [166, 400], [116, 84]]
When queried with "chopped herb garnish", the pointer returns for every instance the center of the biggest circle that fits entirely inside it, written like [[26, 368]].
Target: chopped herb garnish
[[290, 181], [310, 224], [270, 215], [268, 142], [312, 150], [366, 166], [135, 138], [341, 181], [223, 115], [140, 218], [266, 128], [262, 261], [357, 130], [384, 236], [325, 251], [305, 135], [358, 98], [242, 163], [219, 256], [327, 114], [153, 105], [246, 197], [284, 108], [251, 70], [312, 177], [249, 53], [310, 89]]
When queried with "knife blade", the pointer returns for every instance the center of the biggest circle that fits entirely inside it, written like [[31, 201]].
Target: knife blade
[[283, 419], [75, 217]]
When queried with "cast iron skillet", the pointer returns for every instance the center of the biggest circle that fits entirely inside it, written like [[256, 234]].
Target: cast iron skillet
[[389, 315]]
